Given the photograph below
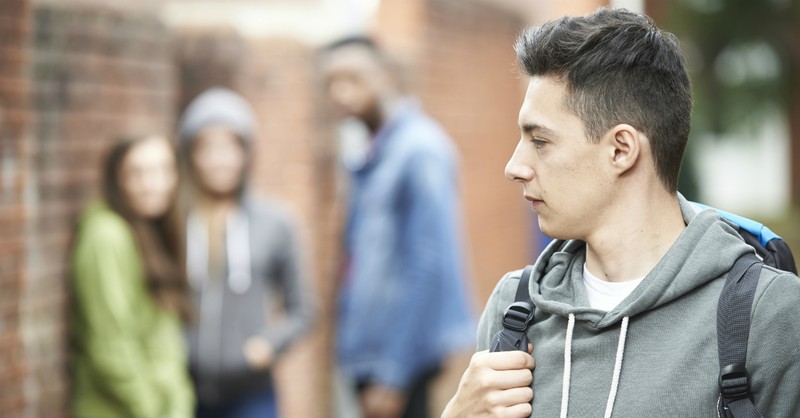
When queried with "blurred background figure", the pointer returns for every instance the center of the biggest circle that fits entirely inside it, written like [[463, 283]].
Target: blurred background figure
[[404, 305], [129, 293], [242, 261]]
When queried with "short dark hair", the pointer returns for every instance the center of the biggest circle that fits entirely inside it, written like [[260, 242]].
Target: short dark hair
[[618, 68]]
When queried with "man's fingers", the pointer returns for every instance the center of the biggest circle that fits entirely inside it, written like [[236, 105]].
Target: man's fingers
[[492, 380], [520, 410], [510, 397], [507, 379], [508, 360]]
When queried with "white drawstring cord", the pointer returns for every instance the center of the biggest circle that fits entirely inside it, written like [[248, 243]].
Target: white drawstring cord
[[567, 366], [623, 333], [196, 252]]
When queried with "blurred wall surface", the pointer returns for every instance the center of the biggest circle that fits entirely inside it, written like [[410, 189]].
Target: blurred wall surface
[[73, 75], [14, 150]]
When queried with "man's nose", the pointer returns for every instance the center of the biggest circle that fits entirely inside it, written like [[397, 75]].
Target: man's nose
[[516, 168]]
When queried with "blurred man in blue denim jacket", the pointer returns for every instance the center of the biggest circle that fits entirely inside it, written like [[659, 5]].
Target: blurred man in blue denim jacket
[[404, 303]]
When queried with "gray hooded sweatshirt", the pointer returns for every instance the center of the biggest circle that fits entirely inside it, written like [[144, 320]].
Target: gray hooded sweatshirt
[[655, 354], [261, 291]]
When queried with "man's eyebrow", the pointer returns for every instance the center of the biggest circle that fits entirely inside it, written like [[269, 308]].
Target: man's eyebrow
[[528, 128]]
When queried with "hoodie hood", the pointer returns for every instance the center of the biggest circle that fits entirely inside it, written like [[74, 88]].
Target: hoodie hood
[[217, 106], [704, 251]]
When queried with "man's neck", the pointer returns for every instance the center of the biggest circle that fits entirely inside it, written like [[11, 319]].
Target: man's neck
[[633, 239]]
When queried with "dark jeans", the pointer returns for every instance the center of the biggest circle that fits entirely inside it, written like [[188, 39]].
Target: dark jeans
[[259, 405], [418, 399]]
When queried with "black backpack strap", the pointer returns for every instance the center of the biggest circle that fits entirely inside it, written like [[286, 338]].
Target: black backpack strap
[[733, 330], [516, 318], [775, 253], [780, 255]]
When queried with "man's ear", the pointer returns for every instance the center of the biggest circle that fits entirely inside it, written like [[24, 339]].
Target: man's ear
[[625, 146]]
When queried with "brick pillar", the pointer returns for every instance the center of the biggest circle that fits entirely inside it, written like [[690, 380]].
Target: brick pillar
[[73, 76], [14, 154], [293, 163]]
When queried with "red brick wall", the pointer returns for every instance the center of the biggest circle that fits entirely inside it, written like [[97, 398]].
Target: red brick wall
[[75, 75], [14, 121], [291, 163]]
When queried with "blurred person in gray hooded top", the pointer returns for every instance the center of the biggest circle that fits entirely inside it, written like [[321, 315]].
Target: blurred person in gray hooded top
[[242, 262]]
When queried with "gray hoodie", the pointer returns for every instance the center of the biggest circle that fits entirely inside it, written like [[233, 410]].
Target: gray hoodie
[[262, 290], [655, 354]]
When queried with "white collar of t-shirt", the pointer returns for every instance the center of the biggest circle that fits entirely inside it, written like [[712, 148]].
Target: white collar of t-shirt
[[605, 295]]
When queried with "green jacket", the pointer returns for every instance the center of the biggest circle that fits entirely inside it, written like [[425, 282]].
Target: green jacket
[[129, 357]]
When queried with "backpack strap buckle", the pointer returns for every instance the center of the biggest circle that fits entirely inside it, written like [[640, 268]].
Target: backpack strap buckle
[[518, 316], [734, 382]]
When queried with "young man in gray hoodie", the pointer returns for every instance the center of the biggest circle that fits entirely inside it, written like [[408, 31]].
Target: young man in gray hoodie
[[626, 295]]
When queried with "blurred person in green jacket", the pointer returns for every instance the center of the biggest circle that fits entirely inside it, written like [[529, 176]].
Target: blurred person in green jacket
[[129, 292]]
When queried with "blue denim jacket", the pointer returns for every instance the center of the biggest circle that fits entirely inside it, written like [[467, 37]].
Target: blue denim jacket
[[405, 304]]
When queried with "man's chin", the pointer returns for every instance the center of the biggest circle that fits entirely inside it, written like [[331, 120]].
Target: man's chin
[[553, 232]]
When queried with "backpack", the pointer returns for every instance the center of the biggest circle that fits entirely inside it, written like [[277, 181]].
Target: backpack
[[733, 313]]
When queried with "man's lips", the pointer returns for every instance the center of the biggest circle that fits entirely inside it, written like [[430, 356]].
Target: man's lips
[[535, 203]]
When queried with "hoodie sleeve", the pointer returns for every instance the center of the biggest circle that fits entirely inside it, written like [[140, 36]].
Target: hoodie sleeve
[[773, 354], [300, 306]]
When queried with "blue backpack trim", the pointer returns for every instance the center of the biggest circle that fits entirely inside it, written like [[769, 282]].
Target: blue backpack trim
[[772, 249], [759, 230]]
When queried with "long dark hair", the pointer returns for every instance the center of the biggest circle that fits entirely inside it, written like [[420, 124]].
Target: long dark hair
[[159, 240]]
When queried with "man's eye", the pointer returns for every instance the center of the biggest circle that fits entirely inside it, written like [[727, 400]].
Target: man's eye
[[538, 143]]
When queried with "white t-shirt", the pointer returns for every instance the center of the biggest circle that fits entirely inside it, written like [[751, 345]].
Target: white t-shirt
[[606, 295]]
